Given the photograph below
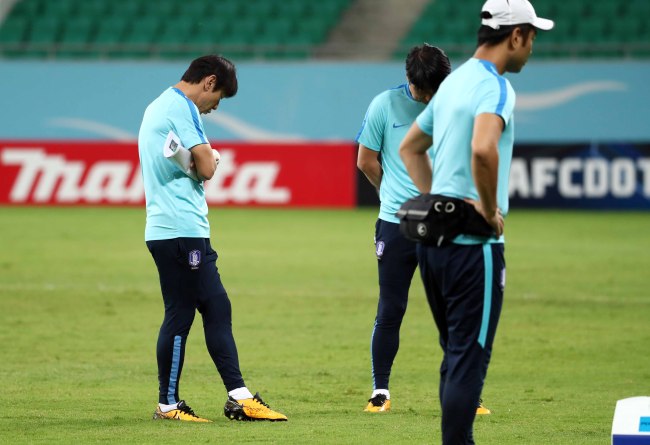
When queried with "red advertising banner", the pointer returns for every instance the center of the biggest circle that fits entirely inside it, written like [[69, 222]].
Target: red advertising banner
[[108, 173]]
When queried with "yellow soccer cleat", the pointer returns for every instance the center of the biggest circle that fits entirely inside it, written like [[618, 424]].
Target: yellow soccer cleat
[[182, 412], [378, 404], [251, 409], [482, 410]]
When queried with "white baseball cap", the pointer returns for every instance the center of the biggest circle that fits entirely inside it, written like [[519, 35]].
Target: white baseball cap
[[513, 12]]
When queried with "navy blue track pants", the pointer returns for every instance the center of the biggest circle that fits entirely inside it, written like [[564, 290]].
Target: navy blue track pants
[[397, 260], [464, 286], [190, 281]]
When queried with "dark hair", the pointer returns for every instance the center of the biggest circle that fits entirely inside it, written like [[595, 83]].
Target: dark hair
[[221, 67], [426, 67], [490, 36]]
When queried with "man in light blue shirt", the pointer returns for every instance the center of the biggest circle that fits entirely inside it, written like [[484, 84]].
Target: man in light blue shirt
[[176, 205], [177, 234], [389, 116], [470, 122]]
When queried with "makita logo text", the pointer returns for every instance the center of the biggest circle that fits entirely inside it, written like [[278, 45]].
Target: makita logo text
[[45, 177], [245, 182]]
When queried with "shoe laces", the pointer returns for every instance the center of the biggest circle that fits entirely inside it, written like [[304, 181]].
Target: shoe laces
[[182, 406], [259, 400], [378, 400]]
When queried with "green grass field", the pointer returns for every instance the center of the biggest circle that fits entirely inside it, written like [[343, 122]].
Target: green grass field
[[80, 309]]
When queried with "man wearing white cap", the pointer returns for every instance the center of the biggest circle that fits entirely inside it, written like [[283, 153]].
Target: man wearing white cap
[[472, 138]]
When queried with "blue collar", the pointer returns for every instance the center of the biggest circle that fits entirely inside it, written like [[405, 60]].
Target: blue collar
[[408, 91], [179, 92], [489, 66]]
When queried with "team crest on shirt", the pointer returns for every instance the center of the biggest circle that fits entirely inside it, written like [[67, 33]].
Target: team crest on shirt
[[194, 259], [379, 249]]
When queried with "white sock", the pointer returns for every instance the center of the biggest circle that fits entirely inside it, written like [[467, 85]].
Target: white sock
[[240, 393], [167, 408], [381, 391]]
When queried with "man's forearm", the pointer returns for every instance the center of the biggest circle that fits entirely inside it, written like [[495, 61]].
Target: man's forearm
[[419, 169], [485, 172], [373, 172], [369, 164]]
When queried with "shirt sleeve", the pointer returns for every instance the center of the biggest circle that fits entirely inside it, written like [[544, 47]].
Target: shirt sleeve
[[187, 124], [425, 119], [495, 95], [371, 134]]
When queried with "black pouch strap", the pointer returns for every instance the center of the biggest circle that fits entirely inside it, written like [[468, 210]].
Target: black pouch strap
[[437, 220], [472, 222]]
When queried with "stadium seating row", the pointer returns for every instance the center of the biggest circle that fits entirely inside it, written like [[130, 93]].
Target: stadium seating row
[[167, 28], [595, 28], [291, 29]]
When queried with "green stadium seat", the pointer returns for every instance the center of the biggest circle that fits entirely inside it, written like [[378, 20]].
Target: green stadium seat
[[111, 31], [59, 8], [44, 30], [639, 8], [77, 30], [192, 8], [92, 8], [276, 32], [207, 36], [314, 27], [172, 38], [644, 34], [259, 10], [12, 36], [141, 35], [228, 9], [571, 10], [293, 9], [590, 30], [302, 42], [13, 31], [241, 33], [328, 11], [161, 8], [127, 8], [444, 10], [605, 8], [562, 34], [425, 26], [42, 33], [27, 8], [219, 26], [626, 29], [641, 46], [457, 31]]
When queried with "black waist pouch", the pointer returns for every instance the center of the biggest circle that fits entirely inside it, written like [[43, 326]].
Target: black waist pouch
[[435, 220]]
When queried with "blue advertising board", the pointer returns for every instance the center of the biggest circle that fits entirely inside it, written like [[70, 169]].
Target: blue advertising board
[[592, 176], [556, 101]]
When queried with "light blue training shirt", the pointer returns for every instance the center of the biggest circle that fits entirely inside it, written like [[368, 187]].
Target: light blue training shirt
[[474, 88], [176, 205], [389, 116]]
